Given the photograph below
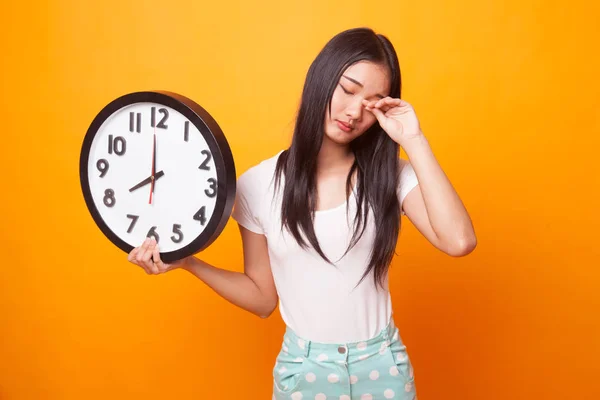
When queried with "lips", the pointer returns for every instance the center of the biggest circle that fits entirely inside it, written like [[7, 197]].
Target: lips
[[343, 126]]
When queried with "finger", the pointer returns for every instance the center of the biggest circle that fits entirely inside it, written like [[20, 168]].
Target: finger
[[144, 245], [132, 258], [385, 108], [142, 250], [378, 114], [367, 103], [133, 254], [387, 101], [393, 102], [380, 102], [147, 258], [162, 267], [139, 257], [402, 105], [151, 260]]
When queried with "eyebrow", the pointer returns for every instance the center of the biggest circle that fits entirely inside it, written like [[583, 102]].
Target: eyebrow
[[361, 85]]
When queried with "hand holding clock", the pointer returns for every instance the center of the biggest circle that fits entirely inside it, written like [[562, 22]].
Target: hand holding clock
[[147, 256]]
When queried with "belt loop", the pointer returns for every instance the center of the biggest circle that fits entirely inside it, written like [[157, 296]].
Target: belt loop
[[307, 348], [386, 335]]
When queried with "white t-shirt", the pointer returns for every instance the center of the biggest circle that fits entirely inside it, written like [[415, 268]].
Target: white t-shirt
[[317, 300]]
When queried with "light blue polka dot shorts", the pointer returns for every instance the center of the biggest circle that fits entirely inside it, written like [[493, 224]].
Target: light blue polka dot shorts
[[378, 368]]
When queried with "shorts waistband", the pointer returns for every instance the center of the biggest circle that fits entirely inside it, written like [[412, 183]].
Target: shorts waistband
[[376, 343]]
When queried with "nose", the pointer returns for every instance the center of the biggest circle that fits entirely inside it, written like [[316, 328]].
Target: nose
[[355, 109]]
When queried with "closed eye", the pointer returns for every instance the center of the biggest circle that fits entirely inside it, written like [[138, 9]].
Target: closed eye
[[344, 89]]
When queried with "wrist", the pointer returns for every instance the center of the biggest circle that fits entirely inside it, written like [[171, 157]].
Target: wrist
[[188, 263], [414, 143]]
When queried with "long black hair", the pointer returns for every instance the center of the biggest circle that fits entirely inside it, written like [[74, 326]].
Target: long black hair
[[376, 154]]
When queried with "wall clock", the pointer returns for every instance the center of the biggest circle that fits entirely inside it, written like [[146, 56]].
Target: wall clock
[[155, 163]]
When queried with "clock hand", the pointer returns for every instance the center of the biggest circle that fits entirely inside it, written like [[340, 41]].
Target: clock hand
[[147, 181], [152, 177]]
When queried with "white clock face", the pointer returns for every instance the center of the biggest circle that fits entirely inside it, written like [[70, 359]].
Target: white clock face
[[175, 206]]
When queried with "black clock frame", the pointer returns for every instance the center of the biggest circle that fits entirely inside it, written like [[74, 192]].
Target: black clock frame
[[217, 143]]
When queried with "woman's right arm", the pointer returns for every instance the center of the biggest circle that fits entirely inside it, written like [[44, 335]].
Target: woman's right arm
[[253, 290]]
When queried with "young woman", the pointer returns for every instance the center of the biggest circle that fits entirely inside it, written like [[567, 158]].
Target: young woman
[[320, 222]]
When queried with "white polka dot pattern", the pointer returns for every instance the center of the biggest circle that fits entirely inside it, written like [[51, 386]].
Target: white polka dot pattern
[[297, 396], [374, 375], [322, 372]]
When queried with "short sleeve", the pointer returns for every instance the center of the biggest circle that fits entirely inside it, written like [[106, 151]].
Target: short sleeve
[[408, 181], [246, 209]]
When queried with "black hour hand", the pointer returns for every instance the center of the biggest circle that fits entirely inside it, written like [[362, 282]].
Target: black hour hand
[[147, 181]]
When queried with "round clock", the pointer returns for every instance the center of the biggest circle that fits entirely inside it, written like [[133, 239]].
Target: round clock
[[157, 164]]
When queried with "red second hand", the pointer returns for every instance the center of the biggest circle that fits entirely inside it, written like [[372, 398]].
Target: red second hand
[[153, 168]]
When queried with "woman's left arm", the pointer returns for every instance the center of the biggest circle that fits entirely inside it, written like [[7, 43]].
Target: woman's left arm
[[433, 206]]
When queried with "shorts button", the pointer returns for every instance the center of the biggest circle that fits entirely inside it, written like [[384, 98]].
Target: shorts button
[[341, 350]]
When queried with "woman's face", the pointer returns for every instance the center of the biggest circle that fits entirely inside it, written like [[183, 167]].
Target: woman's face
[[348, 119]]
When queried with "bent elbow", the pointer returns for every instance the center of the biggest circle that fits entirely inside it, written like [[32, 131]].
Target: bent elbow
[[265, 315], [267, 311], [463, 247]]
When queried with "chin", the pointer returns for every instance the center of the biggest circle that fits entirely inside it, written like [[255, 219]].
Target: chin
[[340, 138]]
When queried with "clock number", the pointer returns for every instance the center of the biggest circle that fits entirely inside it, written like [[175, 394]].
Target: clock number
[[152, 232], [201, 215], [204, 164], [161, 123], [134, 219], [118, 145], [186, 130], [102, 166], [109, 198], [177, 230], [135, 122], [213, 187]]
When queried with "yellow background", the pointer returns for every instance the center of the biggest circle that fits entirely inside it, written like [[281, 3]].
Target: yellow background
[[507, 93]]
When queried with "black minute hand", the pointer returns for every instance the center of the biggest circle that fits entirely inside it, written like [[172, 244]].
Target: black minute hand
[[147, 181]]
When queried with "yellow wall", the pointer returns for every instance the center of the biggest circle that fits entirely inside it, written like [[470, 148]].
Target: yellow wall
[[507, 93]]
